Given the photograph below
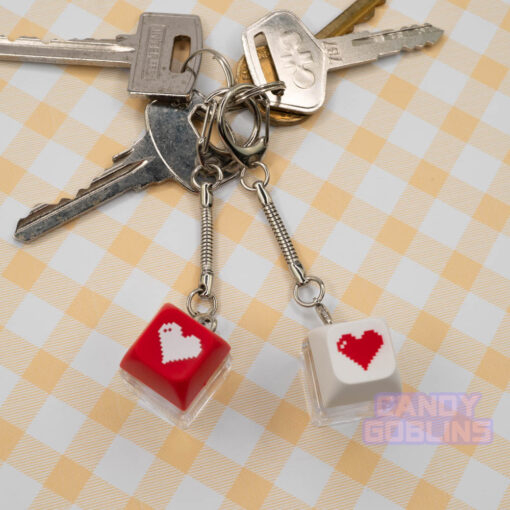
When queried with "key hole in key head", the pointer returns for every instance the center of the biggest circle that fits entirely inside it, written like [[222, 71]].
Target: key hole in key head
[[180, 52], [266, 59]]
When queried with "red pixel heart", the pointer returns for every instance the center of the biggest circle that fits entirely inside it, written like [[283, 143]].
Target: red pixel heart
[[360, 350]]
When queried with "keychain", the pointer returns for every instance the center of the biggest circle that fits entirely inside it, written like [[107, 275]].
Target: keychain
[[345, 364], [178, 362]]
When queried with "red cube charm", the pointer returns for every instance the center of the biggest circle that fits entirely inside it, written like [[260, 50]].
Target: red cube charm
[[176, 365]]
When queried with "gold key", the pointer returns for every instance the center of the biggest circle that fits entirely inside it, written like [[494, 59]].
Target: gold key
[[359, 12]]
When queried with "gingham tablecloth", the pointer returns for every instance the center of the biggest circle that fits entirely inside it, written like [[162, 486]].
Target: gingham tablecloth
[[398, 195]]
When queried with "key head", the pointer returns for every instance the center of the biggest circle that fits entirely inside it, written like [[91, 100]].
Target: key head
[[175, 140], [299, 61], [151, 73]]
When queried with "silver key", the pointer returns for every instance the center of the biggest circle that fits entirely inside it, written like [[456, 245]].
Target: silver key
[[302, 61], [168, 151], [148, 53]]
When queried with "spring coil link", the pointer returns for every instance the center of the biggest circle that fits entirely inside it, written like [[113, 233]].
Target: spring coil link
[[203, 294], [287, 247], [281, 234], [206, 241]]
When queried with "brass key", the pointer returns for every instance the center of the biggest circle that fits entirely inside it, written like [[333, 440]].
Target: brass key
[[359, 12]]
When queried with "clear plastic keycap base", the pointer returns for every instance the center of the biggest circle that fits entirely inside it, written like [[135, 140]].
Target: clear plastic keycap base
[[161, 407], [322, 416]]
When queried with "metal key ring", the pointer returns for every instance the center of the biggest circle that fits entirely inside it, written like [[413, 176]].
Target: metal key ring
[[245, 154], [207, 106], [229, 74], [317, 299], [265, 182], [203, 143], [207, 320], [261, 90], [213, 304], [216, 169]]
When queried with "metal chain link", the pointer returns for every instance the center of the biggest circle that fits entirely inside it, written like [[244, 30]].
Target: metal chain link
[[286, 245], [203, 293]]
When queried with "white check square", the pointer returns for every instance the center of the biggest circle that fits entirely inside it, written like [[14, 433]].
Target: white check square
[[225, 37], [304, 476], [99, 358], [122, 209], [476, 167], [474, 32], [370, 499], [501, 416], [9, 129], [172, 7], [11, 211], [75, 23], [246, 270], [273, 370], [413, 134], [347, 247], [416, 10], [8, 380], [317, 155], [124, 465], [380, 189], [412, 282], [351, 101], [20, 7], [438, 76], [36, 79], [444, 375], [318, 15], [96, 109], [55, 164], [180, 234], [193, 494], [34, 320], [235, 436], [17, 489], [414, 458], [481, 487], [445, 224], [141, 295], [498, 259], [478, 319], [77, 258], [56, 424], [498, 112]]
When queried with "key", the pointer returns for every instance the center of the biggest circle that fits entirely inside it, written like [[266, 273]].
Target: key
[[359, 12], [166, 152], [148, 53], [302, 61]]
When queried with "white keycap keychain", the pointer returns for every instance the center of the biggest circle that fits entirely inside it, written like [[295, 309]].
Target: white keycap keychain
[[345, 364]]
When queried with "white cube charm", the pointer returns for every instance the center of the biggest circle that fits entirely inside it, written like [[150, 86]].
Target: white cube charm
[[346, 366]]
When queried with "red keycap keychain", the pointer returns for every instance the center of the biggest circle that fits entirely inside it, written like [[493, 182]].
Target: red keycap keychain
[[178, 362], [176, 365]]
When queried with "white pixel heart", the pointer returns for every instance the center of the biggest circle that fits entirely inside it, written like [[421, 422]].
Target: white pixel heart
[[175, 346]]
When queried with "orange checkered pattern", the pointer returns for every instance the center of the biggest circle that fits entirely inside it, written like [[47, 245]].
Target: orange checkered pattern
[[398, 196]]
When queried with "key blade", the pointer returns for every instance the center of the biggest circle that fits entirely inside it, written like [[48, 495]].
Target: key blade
[[117, 52], [364, 47], [134, 173]]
